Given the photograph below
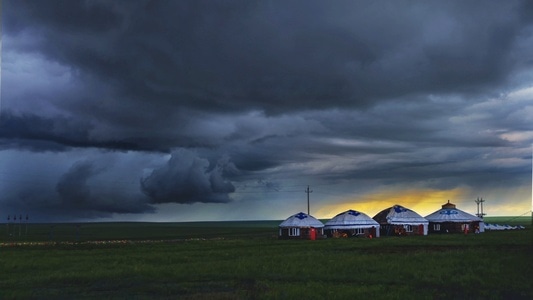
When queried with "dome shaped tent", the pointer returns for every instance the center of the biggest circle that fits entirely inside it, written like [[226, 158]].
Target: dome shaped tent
[[398, 220], [301, 226], [451, 219], [352, 223]]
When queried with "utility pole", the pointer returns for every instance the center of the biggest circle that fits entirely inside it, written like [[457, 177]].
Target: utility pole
[[20, 225], [14, 225], [308, 191], [478, 202]]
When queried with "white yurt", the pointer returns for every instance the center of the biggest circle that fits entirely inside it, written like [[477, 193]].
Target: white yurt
[[449, 219], [351, 223], [301, 226], [398, 220]]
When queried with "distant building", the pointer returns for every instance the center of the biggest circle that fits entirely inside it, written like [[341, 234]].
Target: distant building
[[351, 223], [398, 220], [301, 226], [449, 219]]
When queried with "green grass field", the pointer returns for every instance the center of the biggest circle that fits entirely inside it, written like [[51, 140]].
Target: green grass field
[[245, 260]]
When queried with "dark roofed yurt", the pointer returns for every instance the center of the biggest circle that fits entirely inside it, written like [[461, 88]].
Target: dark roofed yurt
[[398, 220], [351, 223], [301, 226], [449, 219]]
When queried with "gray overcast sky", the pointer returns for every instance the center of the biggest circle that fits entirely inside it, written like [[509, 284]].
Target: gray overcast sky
[[227, 110]]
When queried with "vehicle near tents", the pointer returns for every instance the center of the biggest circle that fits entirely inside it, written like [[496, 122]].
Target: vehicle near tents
[[351, 223], [450, 219], [398, 220], [301, 226]]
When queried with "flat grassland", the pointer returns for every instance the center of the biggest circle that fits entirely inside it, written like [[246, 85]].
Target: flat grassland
[[245, 260]]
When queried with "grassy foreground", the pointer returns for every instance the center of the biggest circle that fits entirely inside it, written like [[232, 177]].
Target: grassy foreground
[[244, 260]]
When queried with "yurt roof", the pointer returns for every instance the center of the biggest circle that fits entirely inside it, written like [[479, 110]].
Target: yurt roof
[[301, 220], [398, 214], [351, 219], [451, 215]]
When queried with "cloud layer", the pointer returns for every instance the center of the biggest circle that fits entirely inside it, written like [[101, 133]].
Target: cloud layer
[[186, 179], [201, 102]]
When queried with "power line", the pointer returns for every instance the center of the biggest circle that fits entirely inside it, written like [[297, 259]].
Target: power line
[[262, 192], [516, 217]]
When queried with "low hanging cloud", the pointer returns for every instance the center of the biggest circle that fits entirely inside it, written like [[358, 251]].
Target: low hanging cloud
[[77, 195], [187, 179], [72, 186]]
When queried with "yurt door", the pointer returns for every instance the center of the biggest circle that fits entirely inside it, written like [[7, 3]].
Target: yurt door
[[313, 234]]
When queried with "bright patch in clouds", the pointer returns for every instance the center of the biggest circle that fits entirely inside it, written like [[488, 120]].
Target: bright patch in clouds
[[423, 201]]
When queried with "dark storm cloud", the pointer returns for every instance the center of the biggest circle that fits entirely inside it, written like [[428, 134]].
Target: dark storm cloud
[[266, 93], [37, 133], [105, 184], [80, 191], [83, 16], [188, 179], [276, 57], [76, 194]]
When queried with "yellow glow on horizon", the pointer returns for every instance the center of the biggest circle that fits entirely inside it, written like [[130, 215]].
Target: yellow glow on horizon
[[513, 202], [424, 201]]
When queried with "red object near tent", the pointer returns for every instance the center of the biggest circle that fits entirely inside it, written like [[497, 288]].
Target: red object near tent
[[313, 234]]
